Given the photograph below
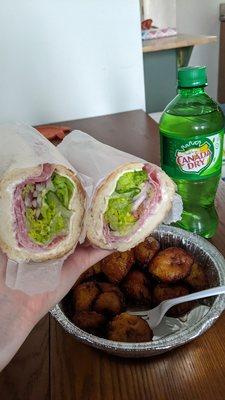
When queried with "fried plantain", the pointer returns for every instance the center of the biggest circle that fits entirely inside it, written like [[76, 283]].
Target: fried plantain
[[84, 296], [108, 287], [171, 264], [197, 278], [89, 321], [90, 273], [136, 288], [129, 328], [163, 292], [109, 303], [145, 251], [117, 265]]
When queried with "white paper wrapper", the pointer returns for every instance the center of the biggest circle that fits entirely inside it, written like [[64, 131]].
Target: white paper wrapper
[[33, 278], [21, 146], [96, 160]]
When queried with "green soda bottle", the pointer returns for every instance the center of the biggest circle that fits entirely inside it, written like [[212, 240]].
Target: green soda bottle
[[191, 142]]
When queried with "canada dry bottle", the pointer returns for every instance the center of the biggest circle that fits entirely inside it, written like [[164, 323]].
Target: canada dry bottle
[[191, 137]]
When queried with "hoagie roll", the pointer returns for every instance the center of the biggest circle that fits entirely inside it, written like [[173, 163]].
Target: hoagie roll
[[128, 205]]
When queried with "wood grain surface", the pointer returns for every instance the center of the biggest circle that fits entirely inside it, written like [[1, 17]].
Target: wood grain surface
[[192, 372], [51, 365], [27, 375], [134, 132]]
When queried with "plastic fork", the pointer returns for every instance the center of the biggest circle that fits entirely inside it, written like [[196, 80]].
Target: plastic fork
[[155, 316]]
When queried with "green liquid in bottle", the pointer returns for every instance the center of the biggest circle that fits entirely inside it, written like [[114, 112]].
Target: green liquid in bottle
[[191, 130]]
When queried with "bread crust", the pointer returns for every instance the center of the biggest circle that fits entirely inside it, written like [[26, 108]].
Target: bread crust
[[99, 204], [8, 242]]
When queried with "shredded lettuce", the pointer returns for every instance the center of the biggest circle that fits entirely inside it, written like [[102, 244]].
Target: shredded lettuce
[[54, 215], [119, 215], [130, 181], [53, 220], [63, 189]]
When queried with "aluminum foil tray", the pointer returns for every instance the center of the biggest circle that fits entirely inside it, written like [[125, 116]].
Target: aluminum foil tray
[[172, 332]]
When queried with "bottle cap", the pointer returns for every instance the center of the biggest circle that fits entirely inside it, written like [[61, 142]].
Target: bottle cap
[[192, 77]]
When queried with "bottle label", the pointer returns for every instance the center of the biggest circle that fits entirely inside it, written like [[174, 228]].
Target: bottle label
[[192, 158]]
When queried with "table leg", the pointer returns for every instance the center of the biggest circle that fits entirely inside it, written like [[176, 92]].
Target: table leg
[[183, 56]]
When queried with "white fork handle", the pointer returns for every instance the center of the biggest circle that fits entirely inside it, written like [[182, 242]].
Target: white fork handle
[[194, 296]]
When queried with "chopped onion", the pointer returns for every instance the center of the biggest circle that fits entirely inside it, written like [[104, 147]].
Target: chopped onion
[[27, 202], [49, 184], [141, 197], [39, 200], [38, 212], [34, 203], [40, 187]]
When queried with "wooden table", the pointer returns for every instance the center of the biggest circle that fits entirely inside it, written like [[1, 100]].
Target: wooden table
[[51, 365]]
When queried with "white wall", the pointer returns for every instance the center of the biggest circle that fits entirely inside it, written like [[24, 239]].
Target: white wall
[[162, 12], [202, 17], [68, 59]]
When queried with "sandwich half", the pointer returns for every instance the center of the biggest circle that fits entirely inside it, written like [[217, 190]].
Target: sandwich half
[[41, 212], [128, 205]]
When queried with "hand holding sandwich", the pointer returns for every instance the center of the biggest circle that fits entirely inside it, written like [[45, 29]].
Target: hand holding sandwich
[[19, 312]]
